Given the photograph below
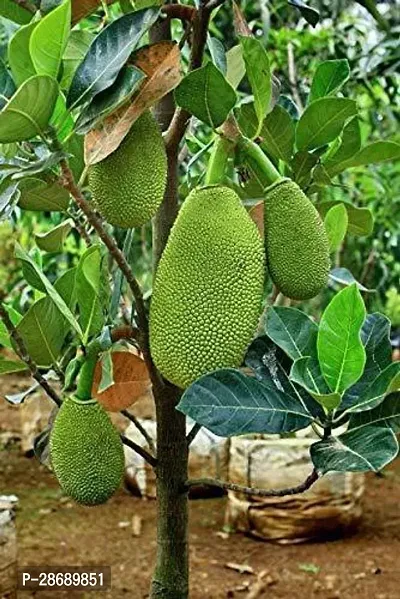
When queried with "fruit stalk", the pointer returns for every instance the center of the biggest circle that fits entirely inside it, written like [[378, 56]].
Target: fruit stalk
[[260, 165], [221, 151]]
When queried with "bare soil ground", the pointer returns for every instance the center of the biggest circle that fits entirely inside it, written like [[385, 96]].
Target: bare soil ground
[[54, 531]]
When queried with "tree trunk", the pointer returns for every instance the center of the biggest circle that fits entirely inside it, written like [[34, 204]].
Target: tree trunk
[[171, 576]]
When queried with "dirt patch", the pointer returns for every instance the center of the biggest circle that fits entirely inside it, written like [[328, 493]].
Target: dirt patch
[[54, 531]]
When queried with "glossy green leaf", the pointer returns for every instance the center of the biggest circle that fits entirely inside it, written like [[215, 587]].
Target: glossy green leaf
[[322, 121], [10, 366], [15, 12], [229, 403], [361, 220], [368, 449], [107, 372], [292, 330], [349, 145], [259, 75], [217, 51], [107, 55], [9, 196], [344, 277], [388, 381], [43, 331], [88, 284], [207, 95], [341, 353], [53, 241], [37, 280], [336, 222], [61, 119], [15, 318], [302, 373], [66, 287], [302, 164], [77, 46], [329, 78], [19, 57], [38, 195], [127, 82], [49, 39], [272, 366], [278, 134], [387, 413], [376, 152], [236, 68], [7, 85], [28, 112]]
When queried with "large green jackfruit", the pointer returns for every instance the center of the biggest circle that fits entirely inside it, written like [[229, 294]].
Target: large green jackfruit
[[128, 186], [296, 243], [86, 452], [208, 287]]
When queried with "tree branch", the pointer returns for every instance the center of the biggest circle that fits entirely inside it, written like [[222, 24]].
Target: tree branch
[[25, 4], [210, 482], [139, 450], [25, 357], [181, 118], [141, 429], [293, 76], [192, 433]]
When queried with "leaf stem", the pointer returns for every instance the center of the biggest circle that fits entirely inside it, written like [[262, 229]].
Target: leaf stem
[[141, 430], [258, 162]]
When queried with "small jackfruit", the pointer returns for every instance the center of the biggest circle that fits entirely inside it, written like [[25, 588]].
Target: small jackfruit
[[86, 452], [128, 185], [208, 287], [296, 243]]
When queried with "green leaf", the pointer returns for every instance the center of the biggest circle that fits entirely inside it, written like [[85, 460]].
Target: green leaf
[[14, 12], [374, 153], [349, 145], [292, 330], [28, 112], [38, 195], [207, 95], [19, 57], [66, 287], [75, 148], [75, 51], [236, 68], [10, 366], [311, 15], [127, 82], [9, 196], [344, 277], [361, 220], [107, 55], [15, 318], [53, 241], [107, 372], [336, 222], [301, 373], [88, 287], [61, 119], [302, 164], [370, 448], [259, 75], [43, 331], [217, 51], [229, 403], [36, 278], [388, 381], [322, 121], [49, 39], [329, 78], [385, 414], [278, 134], [341, 353]]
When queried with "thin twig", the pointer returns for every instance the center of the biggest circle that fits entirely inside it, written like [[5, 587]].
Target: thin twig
[[80, 228], [220, 484], [25, 357], [68, 181], [25, 4], [140, 450], [192, 433], [141, 430]]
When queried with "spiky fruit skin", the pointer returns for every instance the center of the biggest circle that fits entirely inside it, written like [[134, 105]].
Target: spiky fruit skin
[[128, 186], [208, 287], [86, 452], [296, 243]]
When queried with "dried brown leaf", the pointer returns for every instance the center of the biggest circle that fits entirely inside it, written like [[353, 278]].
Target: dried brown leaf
[[82, 8], [240, 23], [131, 382], [161, 63], [257, 215]]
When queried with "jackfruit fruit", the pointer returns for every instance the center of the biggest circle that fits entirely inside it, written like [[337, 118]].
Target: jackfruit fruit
[[86, 452], [128, 186], [208, 287], [296, 243]]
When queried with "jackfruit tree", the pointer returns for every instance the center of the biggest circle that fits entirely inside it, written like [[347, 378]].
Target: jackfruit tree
[[192, 211]]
